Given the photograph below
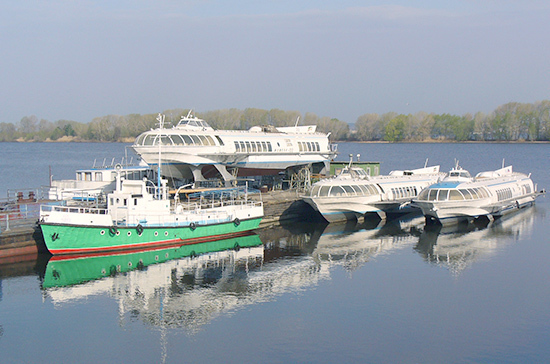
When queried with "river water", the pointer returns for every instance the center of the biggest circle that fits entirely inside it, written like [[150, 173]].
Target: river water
[[379, 293]]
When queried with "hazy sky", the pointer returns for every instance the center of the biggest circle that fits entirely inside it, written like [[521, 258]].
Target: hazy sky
[[80, 59]]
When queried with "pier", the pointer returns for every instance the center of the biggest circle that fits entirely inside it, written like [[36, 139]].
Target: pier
[[21, 237]]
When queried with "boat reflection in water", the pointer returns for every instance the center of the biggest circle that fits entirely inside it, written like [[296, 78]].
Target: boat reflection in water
[[186, 287], [351, 246], [458, 247], [183, 287]]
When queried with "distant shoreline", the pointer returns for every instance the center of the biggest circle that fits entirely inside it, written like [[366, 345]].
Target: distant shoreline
[[131, 140], [448, 142]]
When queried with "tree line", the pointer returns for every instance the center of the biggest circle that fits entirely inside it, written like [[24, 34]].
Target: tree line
[[510, 122]]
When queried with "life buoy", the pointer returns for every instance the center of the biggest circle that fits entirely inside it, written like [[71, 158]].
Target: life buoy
[[113, 230], [237, 222], [139, 229], [192, 226]]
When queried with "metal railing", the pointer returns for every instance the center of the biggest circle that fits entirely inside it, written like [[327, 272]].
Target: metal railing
[[19, 216]]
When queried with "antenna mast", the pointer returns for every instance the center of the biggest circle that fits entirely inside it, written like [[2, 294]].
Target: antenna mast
[[160, 119]]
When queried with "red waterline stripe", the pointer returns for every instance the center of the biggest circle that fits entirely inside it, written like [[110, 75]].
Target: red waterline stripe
[[80, 253]]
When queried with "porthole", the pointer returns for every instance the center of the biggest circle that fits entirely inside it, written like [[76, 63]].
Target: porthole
[[129, 264], [117, 233], [102, 232], [129, 233], [166, 233], [156, 233]]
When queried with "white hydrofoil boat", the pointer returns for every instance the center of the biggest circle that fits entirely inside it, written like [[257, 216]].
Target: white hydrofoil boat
[[353, 193], [489, 195]]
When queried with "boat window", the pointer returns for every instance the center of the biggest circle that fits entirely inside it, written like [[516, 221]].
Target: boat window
[[365, 190], [269, 146], [237, 147], [349, 190], [187, 139], [243, 147], [424, 194], [336, 191], [264, 147], [203, 139], [139, 140], [196, 139], [315, 191], [473, 192], [324, 190], [219, 140], [99, 176], [482, 192], [455, 195], [148, 140], [253, 144], [300, 147], [432, 195], [467, 195], [177, 140], [248, 147], [165, 139], [357, 190], [87, 176], [443, 195], [309, 146], [210, 140], [374, 190]]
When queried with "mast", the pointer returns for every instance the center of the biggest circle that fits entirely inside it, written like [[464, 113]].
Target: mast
[[160, 119]]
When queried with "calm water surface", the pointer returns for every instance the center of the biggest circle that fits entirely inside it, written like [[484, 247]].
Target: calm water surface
[[388, 292]]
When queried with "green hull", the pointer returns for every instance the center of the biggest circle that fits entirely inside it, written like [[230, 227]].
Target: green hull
[[67, 270], [71, 239]]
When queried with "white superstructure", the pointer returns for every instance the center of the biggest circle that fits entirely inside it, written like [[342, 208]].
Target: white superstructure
[[194, 150], [90, 183]]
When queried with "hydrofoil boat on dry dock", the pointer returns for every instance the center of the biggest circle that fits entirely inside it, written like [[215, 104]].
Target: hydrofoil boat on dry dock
[[488, 196], [194, 150], [353, 193]]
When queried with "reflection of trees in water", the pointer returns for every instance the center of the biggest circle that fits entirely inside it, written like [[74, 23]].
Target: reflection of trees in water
[[458, 247]]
